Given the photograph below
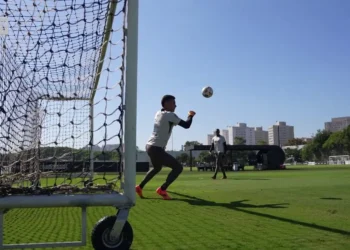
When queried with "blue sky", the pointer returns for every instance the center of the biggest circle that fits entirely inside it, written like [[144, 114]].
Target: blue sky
[[266, 60]]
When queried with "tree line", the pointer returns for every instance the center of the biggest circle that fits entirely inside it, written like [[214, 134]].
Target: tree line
[[318, 149], [323, 145], [61, 153]]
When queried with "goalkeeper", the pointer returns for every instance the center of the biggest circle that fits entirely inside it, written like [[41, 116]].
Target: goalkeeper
[[165, 120]]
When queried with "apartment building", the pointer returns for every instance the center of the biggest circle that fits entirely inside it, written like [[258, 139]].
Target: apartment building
[[337, 124], [280, 133], [241, 130], [209, 138], [224, 133], [261, 135]]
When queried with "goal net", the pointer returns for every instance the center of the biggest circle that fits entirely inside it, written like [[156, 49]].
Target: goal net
[[339, 159], [62, 67]]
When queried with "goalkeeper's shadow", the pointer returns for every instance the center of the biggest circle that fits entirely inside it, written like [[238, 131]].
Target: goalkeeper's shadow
[[195, 201], [241, 206]]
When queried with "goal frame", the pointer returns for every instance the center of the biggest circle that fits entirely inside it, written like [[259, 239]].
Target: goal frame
[[339, 159], [123, 202]]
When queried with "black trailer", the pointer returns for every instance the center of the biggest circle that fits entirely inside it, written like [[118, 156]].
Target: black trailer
[[267, 156]]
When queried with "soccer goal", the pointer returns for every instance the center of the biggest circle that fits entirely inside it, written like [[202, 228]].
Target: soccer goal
[[339, 159], [68, 84]]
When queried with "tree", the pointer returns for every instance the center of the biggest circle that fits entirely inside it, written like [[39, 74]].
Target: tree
[[183, 158], [295, 141], [335, 143], [262, 142], [106, 156], [326, 143], [346, 139], [239, 141], [191, 143], [295, 153], [339, 142], [306, 153], [314, 150], [320, 138], [205, 156]]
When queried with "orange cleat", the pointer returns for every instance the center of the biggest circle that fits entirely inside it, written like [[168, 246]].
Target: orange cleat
[[163, 193], [139, 191]]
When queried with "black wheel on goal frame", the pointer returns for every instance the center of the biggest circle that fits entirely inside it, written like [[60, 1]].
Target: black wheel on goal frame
[[102, 240]]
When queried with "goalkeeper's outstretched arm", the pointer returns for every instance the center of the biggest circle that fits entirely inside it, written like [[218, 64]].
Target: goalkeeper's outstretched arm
[[187, 124]]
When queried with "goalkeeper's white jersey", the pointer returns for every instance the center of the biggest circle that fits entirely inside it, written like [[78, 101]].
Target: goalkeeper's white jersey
[[164, 122]]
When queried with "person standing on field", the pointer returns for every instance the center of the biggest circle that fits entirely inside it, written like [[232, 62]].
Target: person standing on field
[[219, 146], [165, 120]]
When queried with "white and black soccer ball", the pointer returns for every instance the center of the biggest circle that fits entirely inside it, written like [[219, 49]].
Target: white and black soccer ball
[[207, 91]]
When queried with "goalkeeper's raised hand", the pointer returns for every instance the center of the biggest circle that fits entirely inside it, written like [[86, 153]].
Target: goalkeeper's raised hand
[[191, 113]]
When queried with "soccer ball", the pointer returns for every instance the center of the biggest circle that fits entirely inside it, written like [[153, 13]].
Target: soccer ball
[[207, 92]]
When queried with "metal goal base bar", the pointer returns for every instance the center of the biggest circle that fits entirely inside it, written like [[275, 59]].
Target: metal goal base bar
[[42, 245], [81, 200], [61, 200]]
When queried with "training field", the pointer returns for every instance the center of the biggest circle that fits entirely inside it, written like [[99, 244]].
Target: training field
[[305, 207]]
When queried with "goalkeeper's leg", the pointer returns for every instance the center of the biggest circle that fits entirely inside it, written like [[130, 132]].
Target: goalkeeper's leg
[[155, 155], [160, 158], [176, 170]]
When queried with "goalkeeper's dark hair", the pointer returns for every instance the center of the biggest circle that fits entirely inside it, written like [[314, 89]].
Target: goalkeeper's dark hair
[[167, 98]]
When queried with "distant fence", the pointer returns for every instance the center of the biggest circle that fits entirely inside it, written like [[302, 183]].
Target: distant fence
[[311, 163], [72, 167]]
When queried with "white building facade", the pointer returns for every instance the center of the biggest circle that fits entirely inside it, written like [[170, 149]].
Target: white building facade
[[241, 130], [209, 138], [280, 133], [337, 124], [261, 135], [224, 133]]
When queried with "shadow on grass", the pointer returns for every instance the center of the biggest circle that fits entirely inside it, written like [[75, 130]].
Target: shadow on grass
[[240, 205], [331, 198], [249, 179], [232, 205]]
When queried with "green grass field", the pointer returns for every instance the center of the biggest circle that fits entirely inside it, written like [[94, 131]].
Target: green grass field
[[300, 208]]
